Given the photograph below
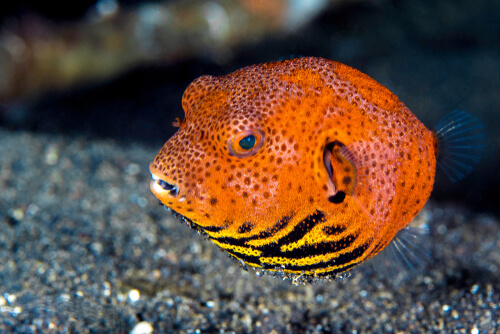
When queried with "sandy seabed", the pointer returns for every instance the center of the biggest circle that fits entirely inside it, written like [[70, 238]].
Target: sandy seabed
[[85, 248]]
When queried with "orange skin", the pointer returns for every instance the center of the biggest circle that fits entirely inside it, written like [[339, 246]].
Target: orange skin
[[297, 107]]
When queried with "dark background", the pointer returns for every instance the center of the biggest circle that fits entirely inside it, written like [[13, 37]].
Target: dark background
[[437, 56]]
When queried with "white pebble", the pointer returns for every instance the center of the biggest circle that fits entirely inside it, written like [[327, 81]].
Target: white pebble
[[16, 310], [142, 327], [134, 295], [52, 155], [65, 297], [10, 298]]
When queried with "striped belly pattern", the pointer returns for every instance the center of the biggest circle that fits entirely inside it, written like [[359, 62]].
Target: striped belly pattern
[[296, 252]]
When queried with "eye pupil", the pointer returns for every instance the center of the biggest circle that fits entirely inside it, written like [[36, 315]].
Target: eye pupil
[[247, 142]]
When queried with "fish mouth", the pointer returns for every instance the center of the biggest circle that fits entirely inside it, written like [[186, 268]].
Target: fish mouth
[[159, 186]]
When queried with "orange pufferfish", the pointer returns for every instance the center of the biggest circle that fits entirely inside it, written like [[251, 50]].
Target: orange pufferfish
[[306, 166]]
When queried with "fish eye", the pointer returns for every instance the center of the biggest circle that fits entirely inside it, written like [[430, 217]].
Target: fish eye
[[246, 143]]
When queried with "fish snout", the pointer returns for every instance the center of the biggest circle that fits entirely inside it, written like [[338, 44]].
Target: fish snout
[[160, 187]]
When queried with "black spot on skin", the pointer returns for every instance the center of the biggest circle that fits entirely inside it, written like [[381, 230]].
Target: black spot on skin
[[337, 198], [213, 201], [346, 180]]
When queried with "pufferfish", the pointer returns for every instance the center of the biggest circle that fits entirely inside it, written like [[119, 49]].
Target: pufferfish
[[305, 166]]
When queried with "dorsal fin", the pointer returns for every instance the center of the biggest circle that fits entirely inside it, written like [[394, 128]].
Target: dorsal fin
[[461, 143]]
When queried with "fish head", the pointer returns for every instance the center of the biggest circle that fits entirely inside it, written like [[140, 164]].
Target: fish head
[[244, 155]]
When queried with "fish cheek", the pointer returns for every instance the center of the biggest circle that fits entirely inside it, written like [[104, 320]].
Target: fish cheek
[[223, 193]]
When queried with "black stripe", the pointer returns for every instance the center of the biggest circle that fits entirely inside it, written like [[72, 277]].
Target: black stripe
[[378, 248], [198, 228], [273, 249], [245, 228], [298, 232], [281, 224], [319, 248], [216, 229], [333, 230], [338, 261], [302, 228], [247, 258]]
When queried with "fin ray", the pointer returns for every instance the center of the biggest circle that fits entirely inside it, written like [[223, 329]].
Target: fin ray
[[461, 143], [406, 255]]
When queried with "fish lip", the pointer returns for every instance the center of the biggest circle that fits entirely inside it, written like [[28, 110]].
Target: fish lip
[[159, 185]]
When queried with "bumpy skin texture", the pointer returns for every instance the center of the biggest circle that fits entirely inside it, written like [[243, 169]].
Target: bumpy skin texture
[[273, 209]]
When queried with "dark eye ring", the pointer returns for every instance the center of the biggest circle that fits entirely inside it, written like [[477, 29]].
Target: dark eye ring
[[246, 143]]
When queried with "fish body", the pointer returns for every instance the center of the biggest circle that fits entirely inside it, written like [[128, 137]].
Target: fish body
[[304, 166]]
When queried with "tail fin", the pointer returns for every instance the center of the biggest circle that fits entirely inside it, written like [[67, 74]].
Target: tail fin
[[461, 143]]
